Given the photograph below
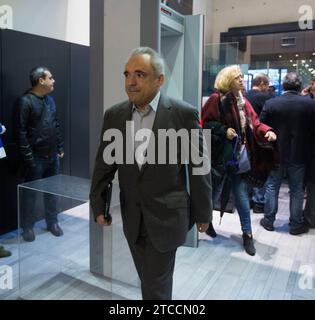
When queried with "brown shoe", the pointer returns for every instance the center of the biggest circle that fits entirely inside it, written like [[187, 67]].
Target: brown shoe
[[4, 253], [55, 230]]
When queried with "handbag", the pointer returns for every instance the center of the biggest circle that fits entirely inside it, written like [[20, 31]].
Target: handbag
[[243, 160], [240, 162]]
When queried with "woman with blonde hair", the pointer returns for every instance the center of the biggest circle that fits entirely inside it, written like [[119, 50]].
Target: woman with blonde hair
[[237, 139]]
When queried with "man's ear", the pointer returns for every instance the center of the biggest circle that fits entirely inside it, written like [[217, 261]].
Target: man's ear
[[161, 79]]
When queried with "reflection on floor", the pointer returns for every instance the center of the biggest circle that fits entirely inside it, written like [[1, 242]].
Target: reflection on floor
[[58, 268]]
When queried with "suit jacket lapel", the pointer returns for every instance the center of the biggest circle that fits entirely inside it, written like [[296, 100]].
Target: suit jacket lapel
[[126, 115], [161, 121]]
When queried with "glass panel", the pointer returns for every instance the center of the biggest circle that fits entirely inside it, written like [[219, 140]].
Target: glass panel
[[276, 69], [216, 57], [125, 281], [57, 267]]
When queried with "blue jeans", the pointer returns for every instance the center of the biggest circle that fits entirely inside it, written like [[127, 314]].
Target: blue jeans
[[259, 196], [44, 167], [295, 175], [240, 190]]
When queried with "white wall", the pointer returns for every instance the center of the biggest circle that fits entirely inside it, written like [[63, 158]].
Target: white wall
[[121, 35], [226, 14], [67, 20], [204, 7]]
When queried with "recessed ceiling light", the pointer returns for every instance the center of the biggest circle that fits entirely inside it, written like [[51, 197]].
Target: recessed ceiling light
[[298, 54], [291, 61], [280, 56]]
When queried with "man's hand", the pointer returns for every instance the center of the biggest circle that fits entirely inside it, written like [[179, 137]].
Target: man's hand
[[202, 227], [100, 219], [270, 136], [61, 155]]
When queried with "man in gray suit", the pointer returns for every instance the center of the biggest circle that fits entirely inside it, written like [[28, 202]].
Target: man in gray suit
[[157, 210]]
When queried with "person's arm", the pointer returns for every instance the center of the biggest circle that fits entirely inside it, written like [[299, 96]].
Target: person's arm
[[103, 174], [24, 109], [199, 176], [60, 142], [262, 131]]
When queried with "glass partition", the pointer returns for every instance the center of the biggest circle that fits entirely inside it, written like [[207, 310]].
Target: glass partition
[[216, 57], [276, 69], [57, 266]]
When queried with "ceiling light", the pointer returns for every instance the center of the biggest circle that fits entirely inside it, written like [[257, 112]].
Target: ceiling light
[[280, 56], [298, 54]]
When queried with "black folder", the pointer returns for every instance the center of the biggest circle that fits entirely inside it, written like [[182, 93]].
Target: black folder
[[108, 197]]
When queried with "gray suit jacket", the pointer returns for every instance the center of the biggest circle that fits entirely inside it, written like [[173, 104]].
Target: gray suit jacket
[[157, 191]]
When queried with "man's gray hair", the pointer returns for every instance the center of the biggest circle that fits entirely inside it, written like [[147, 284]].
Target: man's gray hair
[[292, 81], [37, 73], [156, 60], [260, 78]]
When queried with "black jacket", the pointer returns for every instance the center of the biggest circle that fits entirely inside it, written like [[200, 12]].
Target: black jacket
[[292, 118], [38, 127], [257, 99]]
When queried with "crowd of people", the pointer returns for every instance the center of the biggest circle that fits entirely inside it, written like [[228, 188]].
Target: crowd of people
[[286, 123]]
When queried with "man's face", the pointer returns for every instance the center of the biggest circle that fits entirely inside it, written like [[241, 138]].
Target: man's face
[[264, 86], [48, 82], [313, 86], [141, 81]]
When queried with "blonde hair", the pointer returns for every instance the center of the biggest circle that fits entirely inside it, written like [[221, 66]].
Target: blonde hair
[[225, 78]]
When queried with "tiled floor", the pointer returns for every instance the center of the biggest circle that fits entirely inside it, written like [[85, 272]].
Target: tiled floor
[[58, 268]]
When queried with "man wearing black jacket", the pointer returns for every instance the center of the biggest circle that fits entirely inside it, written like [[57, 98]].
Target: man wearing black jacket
[[292, 117], [257, 98], [41, 147], [157, 210]]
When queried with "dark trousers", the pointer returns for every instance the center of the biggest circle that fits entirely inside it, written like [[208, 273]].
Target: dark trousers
[[309, 211], [155, 268], [45, 167]]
